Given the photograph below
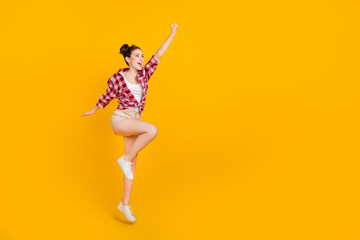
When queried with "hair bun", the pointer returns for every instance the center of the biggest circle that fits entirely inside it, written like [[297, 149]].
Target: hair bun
[[126, 51], [124, 48]]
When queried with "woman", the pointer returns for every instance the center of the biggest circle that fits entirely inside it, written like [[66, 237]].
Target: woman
[[129, 86]]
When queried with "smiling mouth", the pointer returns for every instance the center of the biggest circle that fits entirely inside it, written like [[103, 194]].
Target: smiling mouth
[[140, 64]]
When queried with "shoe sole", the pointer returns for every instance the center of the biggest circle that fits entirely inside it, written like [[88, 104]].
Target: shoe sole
[[119, 207]]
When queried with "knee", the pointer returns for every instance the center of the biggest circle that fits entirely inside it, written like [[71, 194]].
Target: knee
[[153, 130]]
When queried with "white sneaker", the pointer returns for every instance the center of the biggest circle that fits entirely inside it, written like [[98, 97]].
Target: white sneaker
[[125, 209], [126, 167]]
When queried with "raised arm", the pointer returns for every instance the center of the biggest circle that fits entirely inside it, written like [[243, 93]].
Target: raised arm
[[166, 44]]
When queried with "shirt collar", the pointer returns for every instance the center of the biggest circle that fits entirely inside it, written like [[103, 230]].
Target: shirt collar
[[141, 72]]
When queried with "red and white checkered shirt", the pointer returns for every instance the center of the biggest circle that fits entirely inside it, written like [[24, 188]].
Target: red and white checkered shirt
[[118, 88]]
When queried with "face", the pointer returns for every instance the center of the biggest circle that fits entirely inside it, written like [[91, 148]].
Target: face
[[137, 59]]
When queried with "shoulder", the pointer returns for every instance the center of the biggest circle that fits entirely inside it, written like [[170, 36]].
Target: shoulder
[[116, 76], [114, 81]]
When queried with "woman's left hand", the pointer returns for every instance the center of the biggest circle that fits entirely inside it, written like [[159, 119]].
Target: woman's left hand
[[174, 28]]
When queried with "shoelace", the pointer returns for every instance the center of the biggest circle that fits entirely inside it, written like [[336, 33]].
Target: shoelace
[[128, 210]]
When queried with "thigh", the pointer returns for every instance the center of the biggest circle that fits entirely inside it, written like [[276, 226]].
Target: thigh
[[131, 126], [128, 122]]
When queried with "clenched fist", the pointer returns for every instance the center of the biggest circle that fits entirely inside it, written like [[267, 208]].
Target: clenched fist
[[174, 28]]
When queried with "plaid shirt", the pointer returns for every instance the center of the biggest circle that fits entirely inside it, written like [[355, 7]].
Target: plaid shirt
[[118, 88]]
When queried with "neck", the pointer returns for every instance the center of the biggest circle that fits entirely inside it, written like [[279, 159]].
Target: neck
[[131, 72]]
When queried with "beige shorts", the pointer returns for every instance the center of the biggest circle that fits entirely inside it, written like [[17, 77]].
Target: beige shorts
[[119, 115]]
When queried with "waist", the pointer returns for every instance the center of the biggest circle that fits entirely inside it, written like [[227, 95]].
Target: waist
[[136, 108], [129, 110]]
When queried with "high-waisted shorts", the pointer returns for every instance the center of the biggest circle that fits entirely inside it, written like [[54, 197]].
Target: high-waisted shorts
[[119, 115]]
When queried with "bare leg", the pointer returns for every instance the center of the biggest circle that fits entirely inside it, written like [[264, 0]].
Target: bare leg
[[146, 133], [137, 134], [128, 183]]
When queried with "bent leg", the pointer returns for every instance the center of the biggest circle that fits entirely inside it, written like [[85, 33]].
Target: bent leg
[[129, 127], [132, 126]]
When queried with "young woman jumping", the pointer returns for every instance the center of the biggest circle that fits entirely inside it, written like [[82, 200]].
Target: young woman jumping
[[129, 86]]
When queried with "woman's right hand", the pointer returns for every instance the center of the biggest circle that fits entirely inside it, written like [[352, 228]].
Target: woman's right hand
[[88, 113], [91, 112]]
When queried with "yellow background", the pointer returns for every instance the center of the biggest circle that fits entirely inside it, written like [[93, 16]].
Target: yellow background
[[256, 104]]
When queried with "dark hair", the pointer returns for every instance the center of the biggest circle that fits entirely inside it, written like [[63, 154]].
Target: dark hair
[[126, 51]]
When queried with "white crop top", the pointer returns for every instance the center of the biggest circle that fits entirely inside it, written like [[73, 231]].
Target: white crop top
[[136, 90]]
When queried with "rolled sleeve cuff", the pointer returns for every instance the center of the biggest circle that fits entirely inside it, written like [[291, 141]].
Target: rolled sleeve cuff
[[153, 60], [99, 105]]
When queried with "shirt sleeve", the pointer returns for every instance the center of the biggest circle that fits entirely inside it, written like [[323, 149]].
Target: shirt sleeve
[[110, 93], [151, 66]]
